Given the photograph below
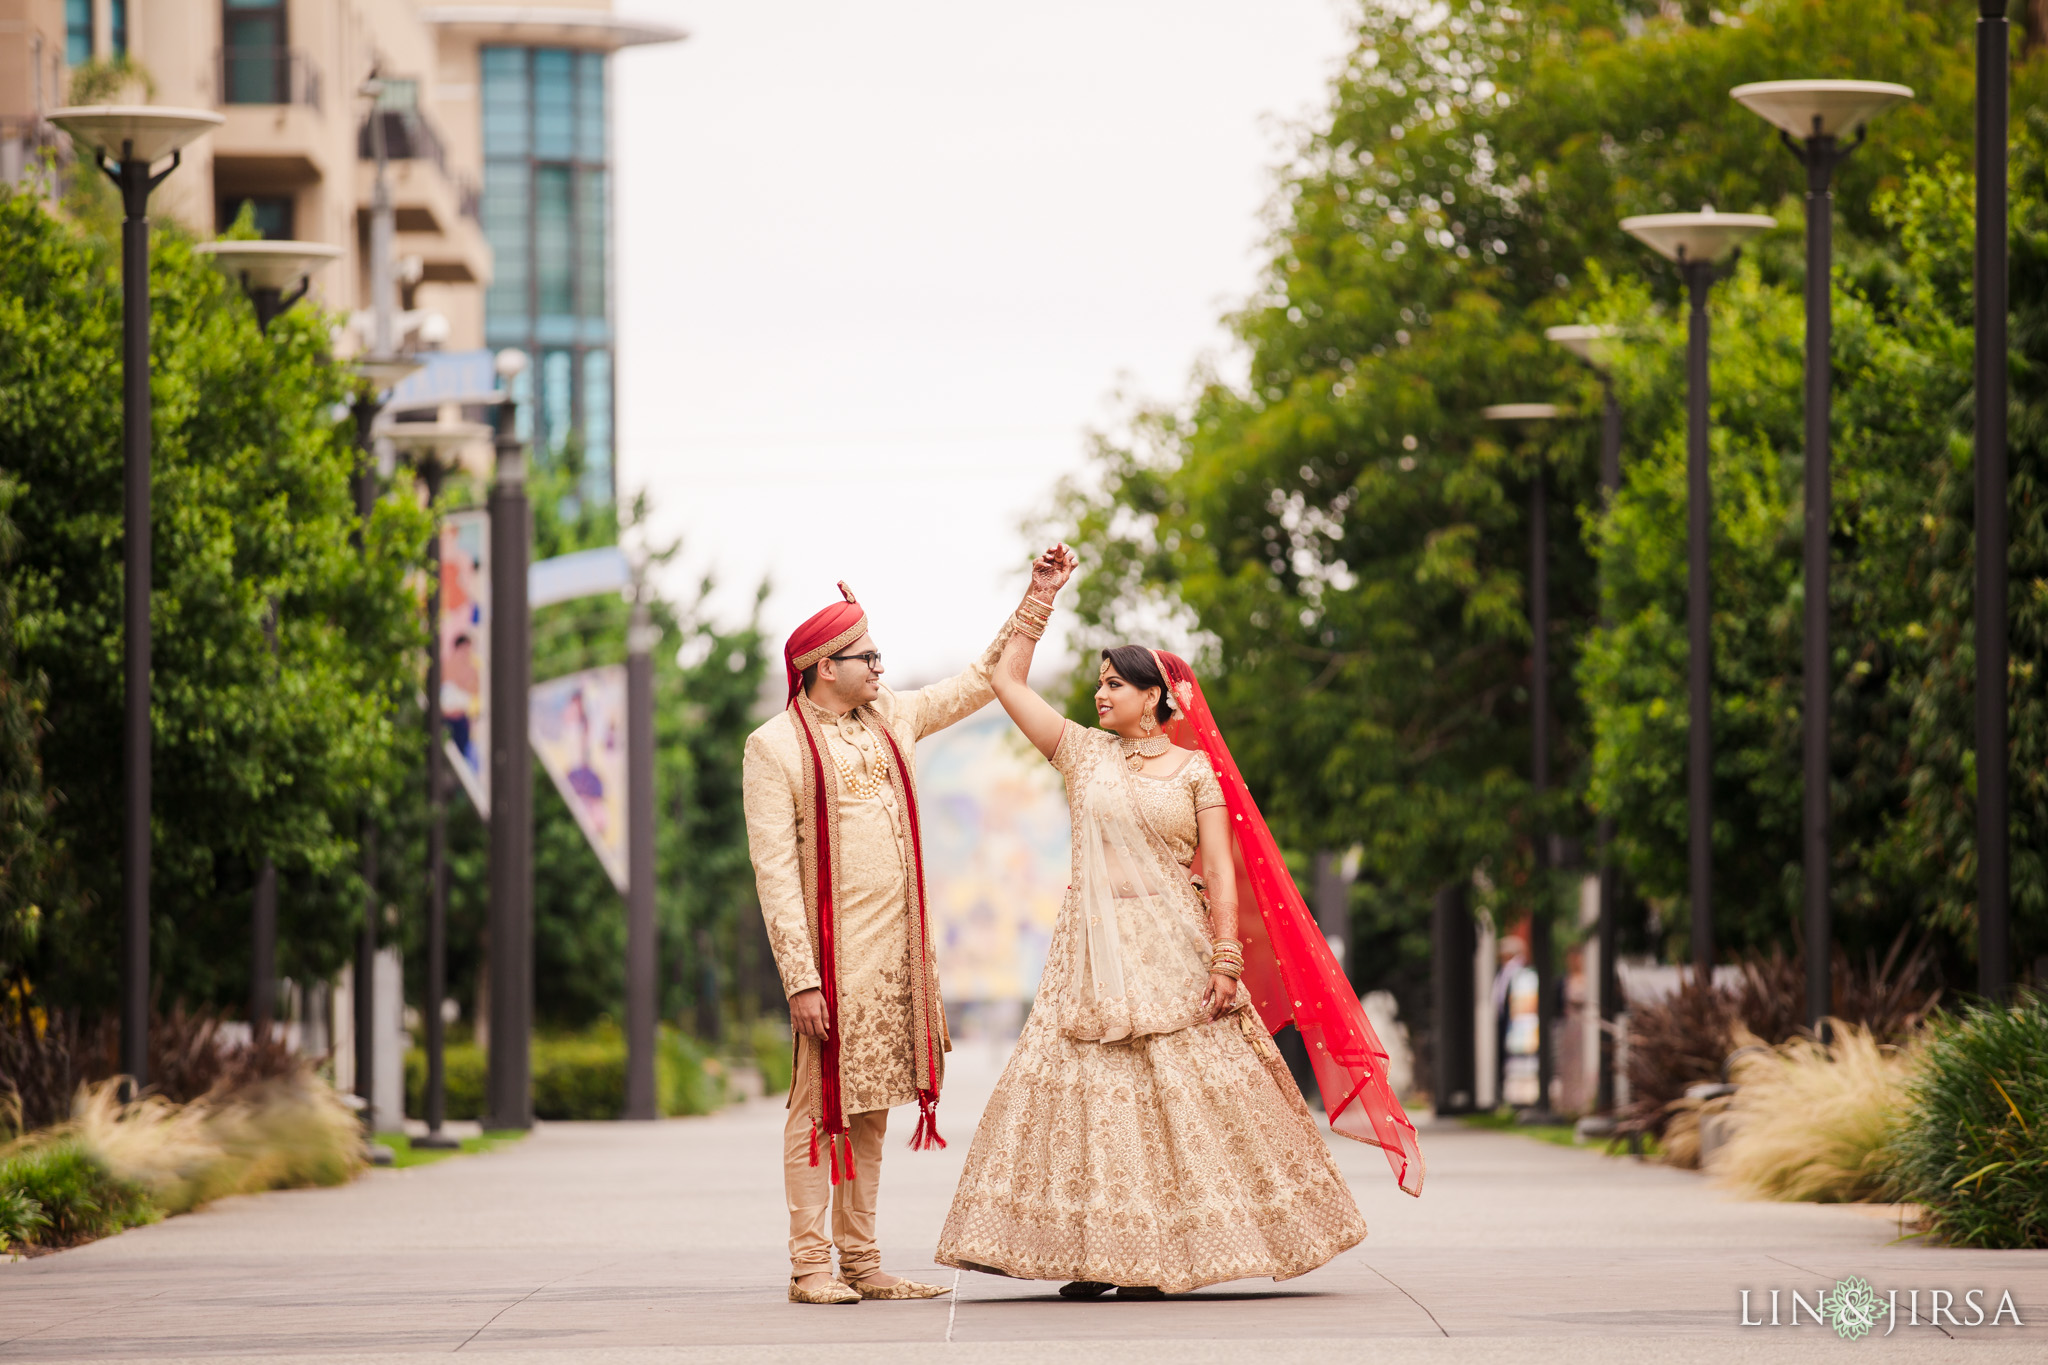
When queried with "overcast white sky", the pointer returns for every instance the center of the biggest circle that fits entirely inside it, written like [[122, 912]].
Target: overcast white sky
[[882, 265]]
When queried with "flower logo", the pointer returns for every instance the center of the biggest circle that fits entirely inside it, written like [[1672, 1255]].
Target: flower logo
[[1853, 1308]]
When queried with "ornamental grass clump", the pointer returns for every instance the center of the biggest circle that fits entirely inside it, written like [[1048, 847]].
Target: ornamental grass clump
[[114, 1165], [1972, 1147], [1813, 1122], [285, 1132]]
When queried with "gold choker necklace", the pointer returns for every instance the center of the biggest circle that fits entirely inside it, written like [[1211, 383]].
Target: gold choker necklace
[[1136, 751]]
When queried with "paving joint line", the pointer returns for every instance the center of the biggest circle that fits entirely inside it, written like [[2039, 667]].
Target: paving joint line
[[953, 1309], [1410, 1297], [524, 1297]]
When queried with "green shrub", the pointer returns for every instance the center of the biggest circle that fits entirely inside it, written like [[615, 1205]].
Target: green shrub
[[581, 1076], [578, 1076], [689, 1078], [77, 1197], [1972, 1149], [21, 1218], [464, 1073], [773, 1055]]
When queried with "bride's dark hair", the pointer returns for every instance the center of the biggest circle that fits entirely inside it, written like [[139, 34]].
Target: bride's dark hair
[[1134, 664]]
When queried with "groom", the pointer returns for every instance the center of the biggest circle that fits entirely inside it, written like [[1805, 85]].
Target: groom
[[832, 826]]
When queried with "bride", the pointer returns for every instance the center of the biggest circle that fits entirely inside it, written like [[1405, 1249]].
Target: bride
[[1146, 1135]]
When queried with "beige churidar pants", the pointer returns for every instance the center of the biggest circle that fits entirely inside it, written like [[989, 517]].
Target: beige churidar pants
[[812, 1195]]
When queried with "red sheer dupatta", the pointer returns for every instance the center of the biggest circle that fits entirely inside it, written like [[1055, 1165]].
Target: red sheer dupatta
[[1288, 967]]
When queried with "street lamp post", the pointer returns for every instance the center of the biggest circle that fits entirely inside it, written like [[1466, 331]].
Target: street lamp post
[[432, 448], [1994, 831], [1592, 344], [1812, 117], [380, 375], [1540, 946], [641, 978], [510, 1085], [126, 141], [266, 270], [1697, 242]]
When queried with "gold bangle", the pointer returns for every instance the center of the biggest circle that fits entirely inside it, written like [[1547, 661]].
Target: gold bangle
[[1035, 630]]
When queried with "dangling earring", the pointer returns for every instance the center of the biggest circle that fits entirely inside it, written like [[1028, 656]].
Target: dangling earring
[[1145, 725]]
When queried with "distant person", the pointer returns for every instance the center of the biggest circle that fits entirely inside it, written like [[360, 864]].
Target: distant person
[[1146, 1136], [1514, 955], [832, 827]]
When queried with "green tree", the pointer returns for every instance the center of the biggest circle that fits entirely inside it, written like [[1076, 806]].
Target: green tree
[[279, 647], [1343, 540], [29, 856], [702, 713]]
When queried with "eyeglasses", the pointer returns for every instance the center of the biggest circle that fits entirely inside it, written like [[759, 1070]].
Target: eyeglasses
[[872, 658]]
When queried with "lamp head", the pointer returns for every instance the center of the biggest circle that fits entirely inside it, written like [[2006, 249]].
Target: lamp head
[[1521, 412], [270, 264], [1820, 108], [510, 363], [1592, 343], [1693, 238], [138, 132]]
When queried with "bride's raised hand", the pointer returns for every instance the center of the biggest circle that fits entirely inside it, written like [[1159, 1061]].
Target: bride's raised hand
[[1051, 570]]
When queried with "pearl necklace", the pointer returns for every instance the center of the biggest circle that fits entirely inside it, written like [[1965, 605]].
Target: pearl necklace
[[862, 786], [1136, 751]]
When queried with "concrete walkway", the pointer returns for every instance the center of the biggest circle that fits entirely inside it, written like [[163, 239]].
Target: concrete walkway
[[663, 1242]]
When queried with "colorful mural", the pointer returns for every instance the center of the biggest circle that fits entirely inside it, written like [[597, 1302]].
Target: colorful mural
[[995, 832]]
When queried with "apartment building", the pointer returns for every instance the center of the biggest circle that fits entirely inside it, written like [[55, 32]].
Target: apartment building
[[496, 125]]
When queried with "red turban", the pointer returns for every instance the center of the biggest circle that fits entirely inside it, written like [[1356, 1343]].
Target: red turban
[[830, 631]]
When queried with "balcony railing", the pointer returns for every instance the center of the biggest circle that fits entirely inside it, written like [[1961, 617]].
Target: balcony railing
[[408, 136], [268, 75]]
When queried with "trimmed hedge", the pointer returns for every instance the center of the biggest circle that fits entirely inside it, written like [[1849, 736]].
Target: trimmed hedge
[[577, 1076]]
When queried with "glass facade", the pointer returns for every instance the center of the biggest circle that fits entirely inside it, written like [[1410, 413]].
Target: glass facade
[[547, 215], [77, 32]]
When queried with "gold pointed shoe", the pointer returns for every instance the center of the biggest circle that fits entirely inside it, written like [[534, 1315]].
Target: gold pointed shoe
[[837, 1291], [902, 1289]]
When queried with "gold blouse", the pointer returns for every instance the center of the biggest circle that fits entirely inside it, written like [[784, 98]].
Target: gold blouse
[[1169, 803]]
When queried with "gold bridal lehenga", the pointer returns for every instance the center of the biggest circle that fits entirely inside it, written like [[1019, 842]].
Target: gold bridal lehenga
[[1131, 1140]]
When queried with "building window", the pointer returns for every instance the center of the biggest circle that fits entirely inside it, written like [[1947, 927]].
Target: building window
[[597, 426], [547, 215], [118, 22], [255, 52], [77, 32], [270, 213]]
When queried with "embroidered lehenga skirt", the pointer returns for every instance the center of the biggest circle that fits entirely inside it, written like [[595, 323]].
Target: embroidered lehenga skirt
[[1124, 1143], [1176, 1160]]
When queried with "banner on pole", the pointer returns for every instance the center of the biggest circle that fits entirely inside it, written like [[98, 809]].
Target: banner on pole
[[466, 651], [579, 732]]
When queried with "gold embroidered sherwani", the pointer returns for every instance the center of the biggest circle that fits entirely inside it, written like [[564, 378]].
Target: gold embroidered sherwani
[[871, 923]]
